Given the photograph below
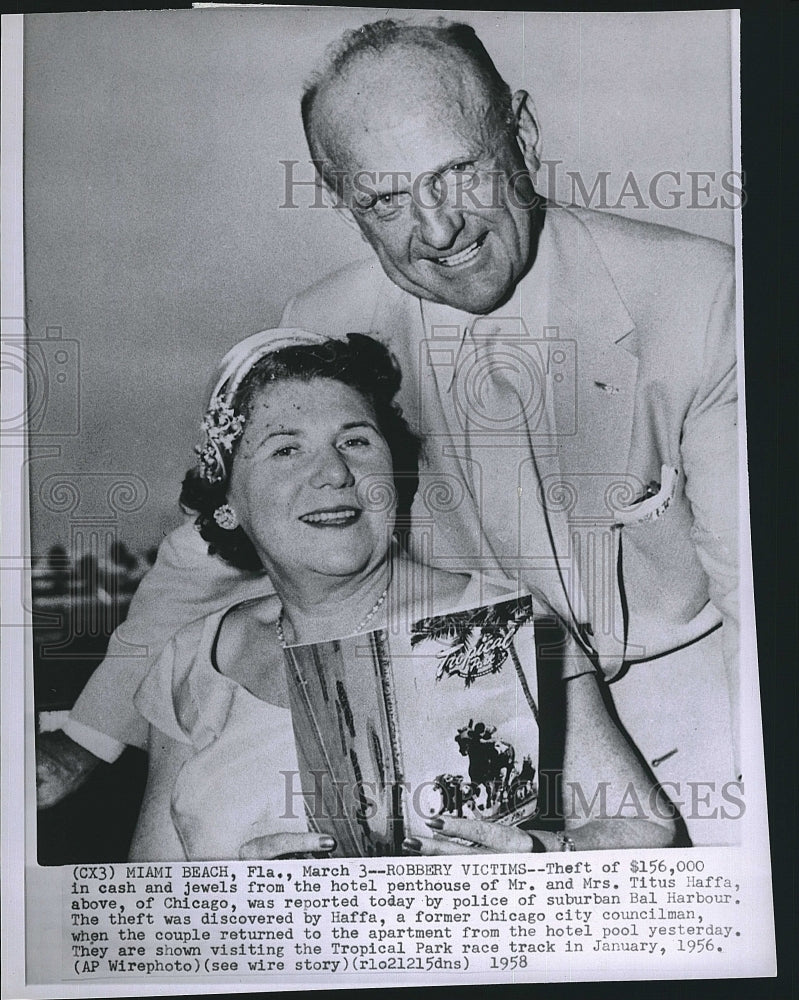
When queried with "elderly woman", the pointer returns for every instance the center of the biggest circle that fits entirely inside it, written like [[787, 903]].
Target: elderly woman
[[299, 432]]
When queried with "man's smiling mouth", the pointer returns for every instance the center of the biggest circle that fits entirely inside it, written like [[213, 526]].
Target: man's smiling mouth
[[337, 517], [465, 255]]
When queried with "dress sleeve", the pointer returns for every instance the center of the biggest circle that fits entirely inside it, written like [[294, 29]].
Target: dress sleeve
[[185, 584]]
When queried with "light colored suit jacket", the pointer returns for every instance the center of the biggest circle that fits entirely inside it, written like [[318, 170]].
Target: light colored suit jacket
[[646, 317]]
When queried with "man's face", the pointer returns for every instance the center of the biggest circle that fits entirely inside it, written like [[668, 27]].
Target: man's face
[[439, 190]]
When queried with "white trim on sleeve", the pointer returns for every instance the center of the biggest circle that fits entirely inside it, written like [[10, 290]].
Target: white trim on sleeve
[[100, 744]]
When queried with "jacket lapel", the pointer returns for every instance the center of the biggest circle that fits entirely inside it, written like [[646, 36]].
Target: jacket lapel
[[586, 307], [594, 439]]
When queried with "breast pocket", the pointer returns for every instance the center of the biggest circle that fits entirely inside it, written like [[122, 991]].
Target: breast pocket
[[664, 583], [654, 503]]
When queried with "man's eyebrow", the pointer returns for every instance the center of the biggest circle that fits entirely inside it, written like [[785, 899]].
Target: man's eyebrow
[[366, 198], [466, 157]]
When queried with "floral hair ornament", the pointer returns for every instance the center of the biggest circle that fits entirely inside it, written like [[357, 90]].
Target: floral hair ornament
[[222, 426]]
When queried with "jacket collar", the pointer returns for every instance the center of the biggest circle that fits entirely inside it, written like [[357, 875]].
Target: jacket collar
[[582, 286]]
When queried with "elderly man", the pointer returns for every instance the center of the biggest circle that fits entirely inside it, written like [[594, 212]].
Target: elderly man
[[573, 374]]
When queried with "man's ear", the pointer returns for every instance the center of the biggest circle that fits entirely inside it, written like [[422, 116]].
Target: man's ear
[[528, 135]]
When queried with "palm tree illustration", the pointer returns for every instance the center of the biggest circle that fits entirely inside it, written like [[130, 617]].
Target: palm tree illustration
[[480, 641]]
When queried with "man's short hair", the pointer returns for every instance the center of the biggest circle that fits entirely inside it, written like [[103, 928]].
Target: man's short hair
[[378, 37]]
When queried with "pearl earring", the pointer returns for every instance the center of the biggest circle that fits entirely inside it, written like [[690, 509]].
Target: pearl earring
[[225, 517]]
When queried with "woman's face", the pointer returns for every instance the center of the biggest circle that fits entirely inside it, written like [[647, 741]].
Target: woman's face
[[306, 449]]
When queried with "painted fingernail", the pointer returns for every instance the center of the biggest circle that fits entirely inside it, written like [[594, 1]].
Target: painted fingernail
[[412, 844], [435, 823], [327, 844]]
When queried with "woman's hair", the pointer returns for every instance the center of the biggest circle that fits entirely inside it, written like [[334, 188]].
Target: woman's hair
[[361, 363]]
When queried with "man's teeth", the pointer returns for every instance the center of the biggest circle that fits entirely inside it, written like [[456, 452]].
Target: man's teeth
[[462, 256], [330, 516]]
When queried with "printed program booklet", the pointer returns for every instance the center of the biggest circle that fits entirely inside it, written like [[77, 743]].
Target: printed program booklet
[[456, 715]]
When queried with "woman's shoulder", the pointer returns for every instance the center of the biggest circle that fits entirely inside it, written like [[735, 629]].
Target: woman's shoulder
[[247, 649], [209, 665], [162, 693]]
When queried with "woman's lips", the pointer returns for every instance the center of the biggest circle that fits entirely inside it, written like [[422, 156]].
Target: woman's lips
[[338, 517]]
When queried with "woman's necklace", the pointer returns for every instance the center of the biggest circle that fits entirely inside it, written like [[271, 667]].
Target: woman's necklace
[[358, 628]]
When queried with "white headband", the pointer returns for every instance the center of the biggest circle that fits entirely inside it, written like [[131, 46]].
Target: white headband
[[222, 426]]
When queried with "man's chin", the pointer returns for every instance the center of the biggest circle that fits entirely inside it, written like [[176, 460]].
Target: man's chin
[[465, 292], [469, 294], [473, 300]]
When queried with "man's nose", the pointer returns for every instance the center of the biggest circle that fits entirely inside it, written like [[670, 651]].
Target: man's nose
[[331, 469], [439, 226]]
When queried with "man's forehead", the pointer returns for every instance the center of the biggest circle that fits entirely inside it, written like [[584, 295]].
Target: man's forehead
[[425, 138], [414, 92], [415, 146]]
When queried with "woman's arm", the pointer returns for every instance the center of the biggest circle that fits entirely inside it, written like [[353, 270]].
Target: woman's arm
[[609, 798]]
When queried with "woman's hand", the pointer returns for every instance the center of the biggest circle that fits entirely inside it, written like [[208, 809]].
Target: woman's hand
[[287, 845], [483, 837]]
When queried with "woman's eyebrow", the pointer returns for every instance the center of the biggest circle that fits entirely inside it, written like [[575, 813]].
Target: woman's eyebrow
[[358, 423], [299, 432], [282, 432]]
